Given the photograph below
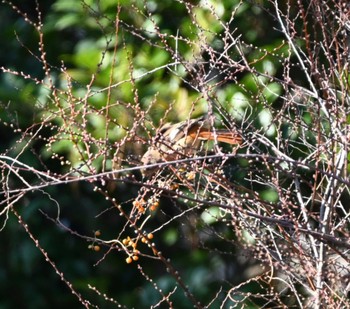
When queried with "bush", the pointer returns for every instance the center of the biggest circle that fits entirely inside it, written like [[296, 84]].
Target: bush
[[243, 203]]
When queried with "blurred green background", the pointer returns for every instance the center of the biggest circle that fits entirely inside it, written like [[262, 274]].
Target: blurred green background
[[82, 35]]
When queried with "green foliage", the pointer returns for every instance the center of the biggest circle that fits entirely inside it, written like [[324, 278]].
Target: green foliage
[[84, 90]]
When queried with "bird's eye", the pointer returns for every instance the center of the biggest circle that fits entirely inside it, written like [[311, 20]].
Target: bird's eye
[[164, 128]]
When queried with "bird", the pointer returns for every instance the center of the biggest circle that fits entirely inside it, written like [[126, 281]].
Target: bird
[[183, 139]]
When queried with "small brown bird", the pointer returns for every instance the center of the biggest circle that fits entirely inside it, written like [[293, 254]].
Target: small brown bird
[[183, 139]]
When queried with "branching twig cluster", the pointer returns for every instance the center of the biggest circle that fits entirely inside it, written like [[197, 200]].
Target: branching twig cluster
[[280, 198]]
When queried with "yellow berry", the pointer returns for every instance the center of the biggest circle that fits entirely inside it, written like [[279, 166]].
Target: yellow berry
[[128, 260], [150, 236], [154, 206], [135, 257], [191, 175], [97, 248], [174, 186], [139, 205]]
